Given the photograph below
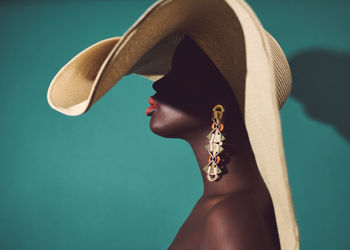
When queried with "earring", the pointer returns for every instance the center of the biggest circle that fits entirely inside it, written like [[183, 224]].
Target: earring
[[214, 147]]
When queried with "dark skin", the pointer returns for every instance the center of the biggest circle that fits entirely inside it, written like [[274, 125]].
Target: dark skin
[[235, 212]]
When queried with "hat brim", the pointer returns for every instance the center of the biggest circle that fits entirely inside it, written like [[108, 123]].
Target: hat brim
[[230, 33]]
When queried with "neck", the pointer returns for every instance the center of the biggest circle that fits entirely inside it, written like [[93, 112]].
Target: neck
[[239, 170]]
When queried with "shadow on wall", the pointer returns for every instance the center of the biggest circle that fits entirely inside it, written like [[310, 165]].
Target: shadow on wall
[[323, 86]]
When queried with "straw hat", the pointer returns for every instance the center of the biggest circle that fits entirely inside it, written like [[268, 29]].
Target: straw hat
[[249, 58]]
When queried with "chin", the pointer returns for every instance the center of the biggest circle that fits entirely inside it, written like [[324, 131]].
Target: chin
[[158, 129], [162, 125], [171, 122]]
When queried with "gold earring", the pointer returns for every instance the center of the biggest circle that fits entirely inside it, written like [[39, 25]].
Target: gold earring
[[214, 147]]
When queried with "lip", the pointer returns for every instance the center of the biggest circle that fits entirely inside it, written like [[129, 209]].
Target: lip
[[153, 107]]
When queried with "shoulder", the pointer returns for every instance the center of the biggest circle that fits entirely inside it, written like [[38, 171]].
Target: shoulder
[[235, 223]]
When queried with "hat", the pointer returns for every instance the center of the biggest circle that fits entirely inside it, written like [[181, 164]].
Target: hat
[[230, 33]]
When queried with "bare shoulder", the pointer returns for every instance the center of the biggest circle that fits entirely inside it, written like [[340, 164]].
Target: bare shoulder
[[236, 223]]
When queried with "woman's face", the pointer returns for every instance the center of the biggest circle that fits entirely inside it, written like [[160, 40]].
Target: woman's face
[[187, 94]]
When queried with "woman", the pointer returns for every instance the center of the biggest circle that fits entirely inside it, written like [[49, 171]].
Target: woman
[[246, 203], [237, 208]]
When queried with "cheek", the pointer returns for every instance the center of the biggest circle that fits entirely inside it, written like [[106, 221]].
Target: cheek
[[171, 122]]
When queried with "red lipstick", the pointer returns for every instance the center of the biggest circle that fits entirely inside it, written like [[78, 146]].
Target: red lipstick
[[153, 107]]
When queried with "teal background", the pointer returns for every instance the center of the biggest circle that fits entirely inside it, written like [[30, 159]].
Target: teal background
[[84, 183]]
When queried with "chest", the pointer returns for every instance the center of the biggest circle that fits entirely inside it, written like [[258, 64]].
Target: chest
[[189, 236]]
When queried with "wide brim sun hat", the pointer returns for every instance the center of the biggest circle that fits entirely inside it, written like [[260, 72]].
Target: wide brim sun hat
[[248, 57]]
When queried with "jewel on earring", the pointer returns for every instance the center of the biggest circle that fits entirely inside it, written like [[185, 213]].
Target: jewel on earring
[[214, 147]]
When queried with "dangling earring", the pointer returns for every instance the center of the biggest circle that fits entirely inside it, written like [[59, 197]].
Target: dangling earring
[[214, 147]]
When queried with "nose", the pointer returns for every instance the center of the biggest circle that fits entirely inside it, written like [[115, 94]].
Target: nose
[[155, 85]]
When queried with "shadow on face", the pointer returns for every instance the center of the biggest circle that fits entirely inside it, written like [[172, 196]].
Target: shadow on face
[[188, 93]]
